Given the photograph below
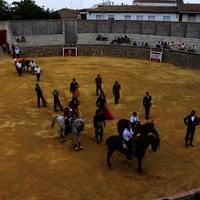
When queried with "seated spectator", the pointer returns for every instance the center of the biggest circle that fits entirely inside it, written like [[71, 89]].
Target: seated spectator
[[192, 49], [172, 45], [146, 44], [23, 39], [126, 39], [105, 37], [142, 44], [182, 46], [98, 37], [115, 38], [134, 43], [162, 44], [165, 45], [139, 44], [17, 39], [158, 44]]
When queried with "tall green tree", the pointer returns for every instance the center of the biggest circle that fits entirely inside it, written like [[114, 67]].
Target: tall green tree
[[28, 10], [4, 10]]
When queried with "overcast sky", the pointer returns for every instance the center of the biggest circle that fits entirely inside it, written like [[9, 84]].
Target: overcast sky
[[79, 4]]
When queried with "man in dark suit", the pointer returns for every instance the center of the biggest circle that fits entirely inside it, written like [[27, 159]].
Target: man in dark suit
[[40, 96], [98, 81], [116, 89], [147, 104], [72, 86], [190, 121], [101, 102]]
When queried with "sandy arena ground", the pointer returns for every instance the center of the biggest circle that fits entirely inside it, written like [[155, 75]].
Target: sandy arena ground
[[36, 166]]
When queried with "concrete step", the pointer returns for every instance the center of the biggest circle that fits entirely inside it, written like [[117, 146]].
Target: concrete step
[[90, 38]]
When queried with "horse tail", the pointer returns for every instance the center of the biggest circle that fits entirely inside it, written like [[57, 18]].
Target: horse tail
[[53, 120]]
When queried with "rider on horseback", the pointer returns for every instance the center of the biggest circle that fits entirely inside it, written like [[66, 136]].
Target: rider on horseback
[[69, 112], [128, 135], [134, 121]]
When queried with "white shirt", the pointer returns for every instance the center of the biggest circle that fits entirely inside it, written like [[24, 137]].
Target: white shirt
[[19, 65], [37, 70], [134, 119], [32, 64], [127, 134], [192, 118], [17, 51]]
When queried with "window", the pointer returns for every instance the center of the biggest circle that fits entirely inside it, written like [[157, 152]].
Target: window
[[191, 17], [111, 17], [98, 17], [151, 18], [166, 18], [127, 17], [139, 17]]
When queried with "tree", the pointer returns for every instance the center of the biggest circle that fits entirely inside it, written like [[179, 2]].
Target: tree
[[4, 10], [28, 10]]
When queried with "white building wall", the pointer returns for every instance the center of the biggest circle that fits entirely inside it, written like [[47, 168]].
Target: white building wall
[[121, 16], [154, 4], [198, 18], [185, 18]]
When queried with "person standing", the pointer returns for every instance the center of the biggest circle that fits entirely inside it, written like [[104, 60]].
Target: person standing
[[32, 66], [98, 81], [147, 104], [17, 52], [98, 122], [4, 47], [101, 102], [191, 121], [19, 67], [38, 72], [73, 86], [116, 92], [40, 96], [55, 94]]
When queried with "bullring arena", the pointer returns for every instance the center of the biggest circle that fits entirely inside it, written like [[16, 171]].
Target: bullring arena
[[36, 166]]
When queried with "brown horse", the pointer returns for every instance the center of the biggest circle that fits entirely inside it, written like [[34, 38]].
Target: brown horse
[[143, 130], [143, 141]]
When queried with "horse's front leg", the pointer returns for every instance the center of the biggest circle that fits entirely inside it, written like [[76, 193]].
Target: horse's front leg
[[79, 141], [75, 142], [140, 170]]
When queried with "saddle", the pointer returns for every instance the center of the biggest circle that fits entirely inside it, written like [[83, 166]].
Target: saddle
[[134, 145]]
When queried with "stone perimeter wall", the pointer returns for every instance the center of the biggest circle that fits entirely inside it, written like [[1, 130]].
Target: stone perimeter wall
[[41, 51], [178, 58], [182, 59]]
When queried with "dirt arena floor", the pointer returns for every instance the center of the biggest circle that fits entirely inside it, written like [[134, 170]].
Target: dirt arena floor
[[36, 166]]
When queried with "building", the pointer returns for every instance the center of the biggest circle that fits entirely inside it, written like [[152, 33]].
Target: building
[[66, 13], [147, 10]]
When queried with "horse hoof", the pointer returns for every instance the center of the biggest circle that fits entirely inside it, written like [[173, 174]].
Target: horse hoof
[[77, 149], [61, 141], [80, 148], [140, 172]]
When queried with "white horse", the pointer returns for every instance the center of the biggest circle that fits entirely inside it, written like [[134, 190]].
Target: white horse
[[77, 125]]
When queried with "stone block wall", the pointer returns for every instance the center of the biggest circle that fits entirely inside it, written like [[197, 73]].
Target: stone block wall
[[41, 51], [178, 58]]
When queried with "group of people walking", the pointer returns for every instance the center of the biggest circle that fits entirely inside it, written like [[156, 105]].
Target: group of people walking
[[26, 64]]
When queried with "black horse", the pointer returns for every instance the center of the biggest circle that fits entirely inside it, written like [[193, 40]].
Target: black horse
[[142, 143]]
